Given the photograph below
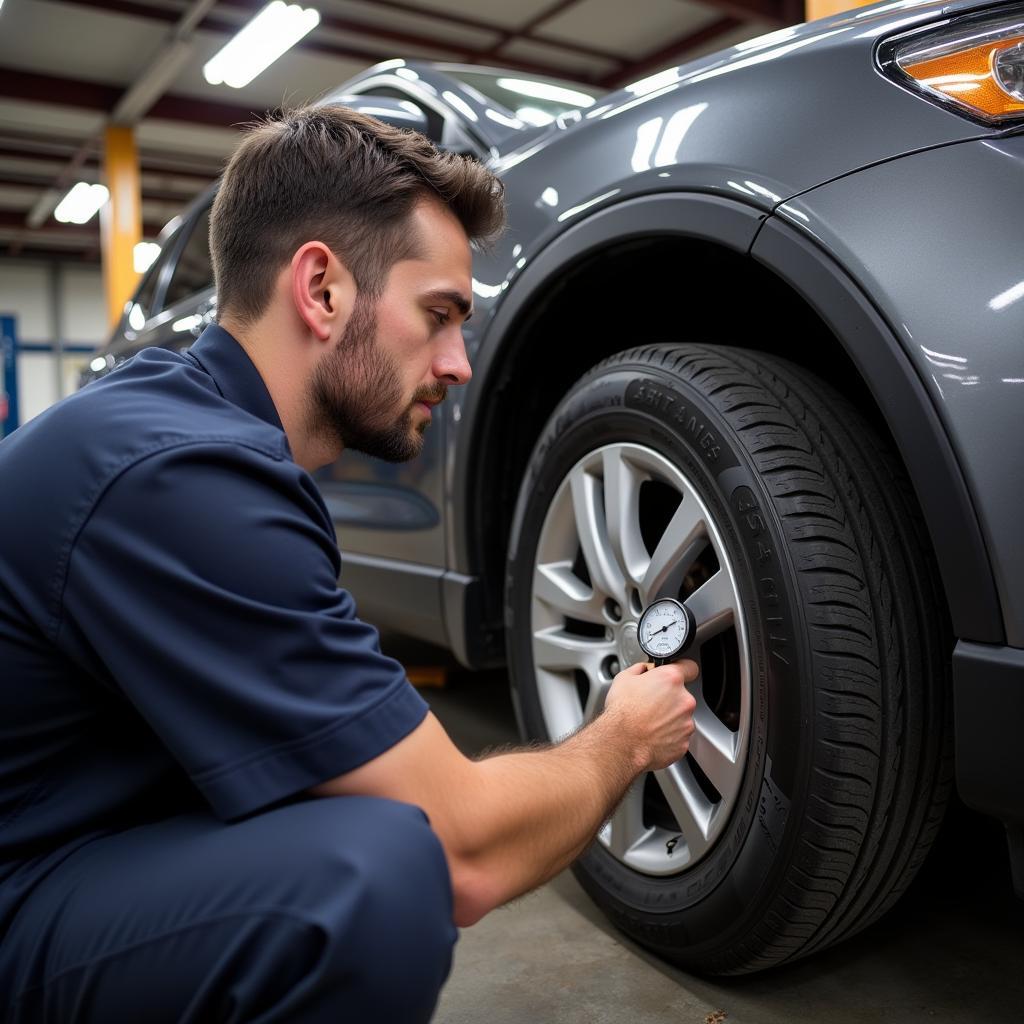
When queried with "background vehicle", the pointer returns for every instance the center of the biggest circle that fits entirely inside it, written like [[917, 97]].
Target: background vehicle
[[755, 343]]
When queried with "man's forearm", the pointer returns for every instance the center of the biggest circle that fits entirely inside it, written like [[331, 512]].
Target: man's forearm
[[540, 809], [510, 822]]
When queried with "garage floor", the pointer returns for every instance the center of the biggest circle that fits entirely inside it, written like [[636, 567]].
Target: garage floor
[[951, 952]]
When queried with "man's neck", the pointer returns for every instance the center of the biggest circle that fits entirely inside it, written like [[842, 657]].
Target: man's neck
[[286, 380]]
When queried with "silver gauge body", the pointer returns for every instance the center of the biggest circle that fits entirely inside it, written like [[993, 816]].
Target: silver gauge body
[[666, 629]]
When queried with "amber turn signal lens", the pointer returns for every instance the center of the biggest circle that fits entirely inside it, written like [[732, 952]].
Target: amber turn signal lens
[[976, 77]]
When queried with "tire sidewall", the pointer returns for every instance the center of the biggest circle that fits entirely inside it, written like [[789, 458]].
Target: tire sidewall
[[708, 905]]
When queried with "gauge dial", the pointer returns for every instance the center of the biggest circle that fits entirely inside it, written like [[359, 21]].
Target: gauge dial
[[666, 629]]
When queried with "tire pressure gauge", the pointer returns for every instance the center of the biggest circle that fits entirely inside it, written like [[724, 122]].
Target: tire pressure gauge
[[666, 630]]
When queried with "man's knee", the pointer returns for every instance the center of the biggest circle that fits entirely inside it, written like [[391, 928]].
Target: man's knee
[[385, 904]]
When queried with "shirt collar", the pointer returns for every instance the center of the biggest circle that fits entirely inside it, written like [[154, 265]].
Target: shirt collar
[[234, 374]]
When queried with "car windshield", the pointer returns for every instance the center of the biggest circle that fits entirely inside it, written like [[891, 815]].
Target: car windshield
[[535, 101]]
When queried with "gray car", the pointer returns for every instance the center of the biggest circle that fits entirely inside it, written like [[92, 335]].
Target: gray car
[[754, 340]]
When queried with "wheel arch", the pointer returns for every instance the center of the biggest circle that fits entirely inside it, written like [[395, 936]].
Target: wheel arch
[[908, 414], [631, 272]]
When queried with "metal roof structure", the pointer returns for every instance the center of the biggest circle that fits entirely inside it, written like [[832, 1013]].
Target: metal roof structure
[[70, 67]]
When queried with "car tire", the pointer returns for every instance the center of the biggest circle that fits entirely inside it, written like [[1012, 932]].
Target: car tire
[[816, 781]]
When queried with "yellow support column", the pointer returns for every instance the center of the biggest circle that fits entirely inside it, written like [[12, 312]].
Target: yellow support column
[[814, 9], [121, 218]]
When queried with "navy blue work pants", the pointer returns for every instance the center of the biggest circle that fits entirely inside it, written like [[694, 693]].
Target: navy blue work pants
[[336, 909]]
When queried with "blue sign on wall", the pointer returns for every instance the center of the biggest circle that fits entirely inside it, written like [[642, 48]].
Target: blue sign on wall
[[9, 382]]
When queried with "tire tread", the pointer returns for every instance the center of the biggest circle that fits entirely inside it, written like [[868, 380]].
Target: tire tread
[[837, 489]]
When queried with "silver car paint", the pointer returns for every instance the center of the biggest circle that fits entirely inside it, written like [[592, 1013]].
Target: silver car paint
[[952, 287], [711, 127]]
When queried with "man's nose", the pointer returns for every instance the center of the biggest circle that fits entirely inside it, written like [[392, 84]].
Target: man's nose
[[452, 364]]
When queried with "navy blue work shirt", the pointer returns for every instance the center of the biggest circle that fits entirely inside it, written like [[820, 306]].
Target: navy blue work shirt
[[171, 624]]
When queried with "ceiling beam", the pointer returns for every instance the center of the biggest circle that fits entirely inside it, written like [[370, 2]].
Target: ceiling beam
[[348, 25], [16, 219], [162, 68], [147, 167], [229, 28], [444, 20], [671, 54], [82, 95], [509, 36], [37, 147], [484, 26], [777, 13], [183, 195], [22, 145], [368, 49]]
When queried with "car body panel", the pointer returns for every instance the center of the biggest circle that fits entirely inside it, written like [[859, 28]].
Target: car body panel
[[963, 329], [740, 123]]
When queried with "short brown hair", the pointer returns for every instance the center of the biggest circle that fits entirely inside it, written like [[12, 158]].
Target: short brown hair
[[349, 180]]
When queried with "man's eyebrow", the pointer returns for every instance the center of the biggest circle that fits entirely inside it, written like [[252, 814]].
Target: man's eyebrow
[[457, 299]]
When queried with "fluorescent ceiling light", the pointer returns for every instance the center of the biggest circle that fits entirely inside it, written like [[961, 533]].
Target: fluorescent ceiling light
[[276, 28], [143, 255], [79, 206], [546, 91]]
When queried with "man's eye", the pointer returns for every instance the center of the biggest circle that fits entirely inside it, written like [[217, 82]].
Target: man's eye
[[442, 315]]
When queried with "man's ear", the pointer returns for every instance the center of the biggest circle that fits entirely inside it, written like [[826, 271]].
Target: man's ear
[[323, 290]]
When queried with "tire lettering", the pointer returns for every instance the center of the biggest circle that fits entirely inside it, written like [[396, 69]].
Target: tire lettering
[[650, 395]]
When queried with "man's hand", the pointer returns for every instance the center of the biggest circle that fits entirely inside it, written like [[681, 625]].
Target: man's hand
[[655, 706]]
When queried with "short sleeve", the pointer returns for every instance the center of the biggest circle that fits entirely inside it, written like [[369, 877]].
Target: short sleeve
[[204, 588]]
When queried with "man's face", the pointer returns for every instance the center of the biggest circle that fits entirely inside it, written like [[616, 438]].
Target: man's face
[[398, 356]]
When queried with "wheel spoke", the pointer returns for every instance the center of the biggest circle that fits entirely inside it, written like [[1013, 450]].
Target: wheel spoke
[[592, 528], [683, 539], [626, 825], [560, 702], [558, 651], [688, 805], [562, 590], [712, 746], [622, 482], [713, 605]]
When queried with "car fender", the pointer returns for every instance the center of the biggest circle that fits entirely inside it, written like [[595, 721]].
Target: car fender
[[863, 332]]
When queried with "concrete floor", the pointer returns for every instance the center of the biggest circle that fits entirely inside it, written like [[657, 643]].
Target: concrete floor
[[951, 952]]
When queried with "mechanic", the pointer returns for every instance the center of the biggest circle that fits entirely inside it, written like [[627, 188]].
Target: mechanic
[[219, 800]]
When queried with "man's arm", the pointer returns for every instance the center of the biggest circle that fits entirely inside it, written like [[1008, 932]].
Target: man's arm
[[510, 822]]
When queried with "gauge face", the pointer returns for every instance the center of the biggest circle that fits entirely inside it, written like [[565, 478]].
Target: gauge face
[[664, 629]]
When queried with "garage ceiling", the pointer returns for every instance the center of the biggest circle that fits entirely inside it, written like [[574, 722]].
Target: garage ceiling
[[68, 67]]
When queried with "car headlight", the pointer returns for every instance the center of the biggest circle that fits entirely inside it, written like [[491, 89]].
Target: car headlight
[[974, 65]]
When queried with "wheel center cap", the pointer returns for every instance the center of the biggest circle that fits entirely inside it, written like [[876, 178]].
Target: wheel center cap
[[629, 646]]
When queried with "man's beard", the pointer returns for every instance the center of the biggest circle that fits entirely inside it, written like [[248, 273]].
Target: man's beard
[[356, 389]]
